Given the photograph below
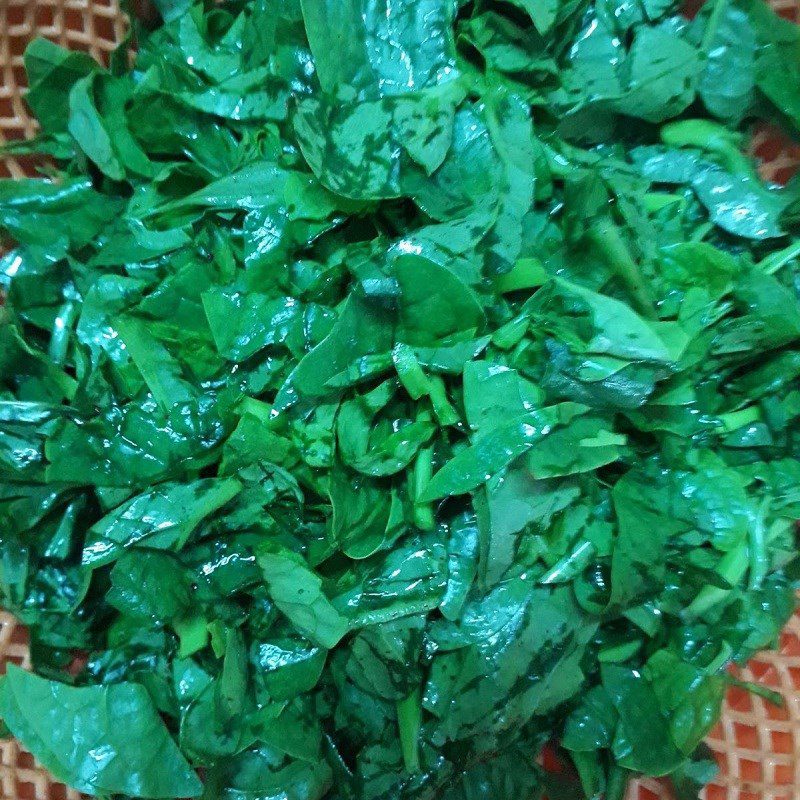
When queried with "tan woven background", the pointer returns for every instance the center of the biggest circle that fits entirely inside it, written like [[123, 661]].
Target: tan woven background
[[758, 745], [94, 26]]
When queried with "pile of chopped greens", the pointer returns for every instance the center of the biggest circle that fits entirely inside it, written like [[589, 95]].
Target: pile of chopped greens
[[390, 389]]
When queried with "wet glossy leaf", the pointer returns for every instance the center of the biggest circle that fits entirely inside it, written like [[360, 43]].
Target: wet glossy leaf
[[118, 721]]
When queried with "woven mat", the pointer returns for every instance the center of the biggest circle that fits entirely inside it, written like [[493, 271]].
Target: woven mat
[[758, 745], [94, 26]]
